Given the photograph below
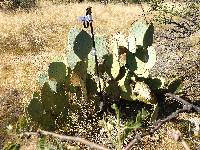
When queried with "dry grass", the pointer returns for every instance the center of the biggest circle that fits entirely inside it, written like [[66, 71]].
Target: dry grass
[[46, 27]]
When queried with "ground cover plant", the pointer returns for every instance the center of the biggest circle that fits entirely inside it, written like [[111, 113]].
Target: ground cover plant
[[106, 93]]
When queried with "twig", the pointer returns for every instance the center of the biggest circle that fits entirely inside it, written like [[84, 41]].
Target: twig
[[184, 102], [175, 114], [185, 144], [179, 25], [186, 107], [65, 138], [136, 139]]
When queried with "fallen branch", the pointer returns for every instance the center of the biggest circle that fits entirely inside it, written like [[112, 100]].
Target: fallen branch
[[175, 114], [155, 127], [184, 102], [65, 138], [186, 107]]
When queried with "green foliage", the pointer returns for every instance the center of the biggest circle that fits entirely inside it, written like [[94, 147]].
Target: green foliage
[[80, 45], [81, 69], [141, 71], [131, 63], [141, 116], [42, 143], [154, 83], [132, 43], [151, 57], [35, 108], [144, 93], [144, 59], [101, 46], [25, 3], [22, 4], [12, 146], [72, 34], [113, 89], [21, 124], [50, 107], [91, 65], [117, 130], [115, 67], [72, 59], [42, 78], [107, 64], [131, 125], [91, 86], [139, 56], [59, 145]]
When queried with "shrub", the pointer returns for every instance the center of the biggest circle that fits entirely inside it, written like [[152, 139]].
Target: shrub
[[15, 4]]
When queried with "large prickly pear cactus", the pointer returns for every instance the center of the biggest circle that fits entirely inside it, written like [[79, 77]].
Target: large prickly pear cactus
[[130, 59]]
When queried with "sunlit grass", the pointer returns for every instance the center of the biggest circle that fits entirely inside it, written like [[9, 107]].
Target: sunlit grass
[[46, 27]]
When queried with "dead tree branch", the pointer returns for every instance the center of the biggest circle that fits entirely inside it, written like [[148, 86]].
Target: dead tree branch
[[186, 108], [184, 102], [64, 138]]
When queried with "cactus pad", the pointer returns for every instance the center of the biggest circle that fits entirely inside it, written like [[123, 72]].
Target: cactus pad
[[115, 70], [144, 93], [91, 65], [72, 34], [57, 71], [118, 41], [35, 108], [72, 59], [82, 45], [143, 33], [101, 47], [42, 78], [141, 70], [132, 43], [152, 57]]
